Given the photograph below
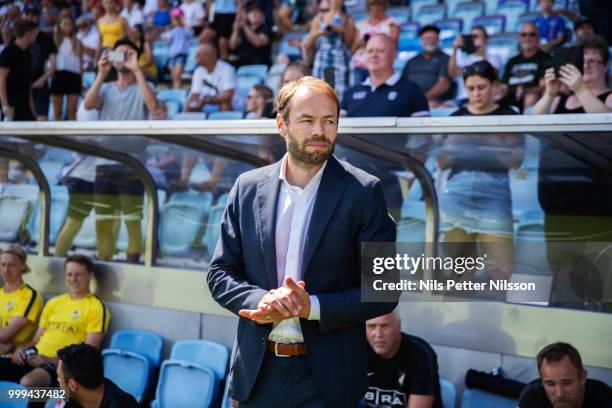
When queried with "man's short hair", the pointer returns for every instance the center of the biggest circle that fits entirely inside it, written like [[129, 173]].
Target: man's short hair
[[263, 91], [125, 41], [283, 100], [581, 23], [556, 351], [429, 27], [595, 42], [81, 260], [370, 3], [82, 363], [298, 65], [23, 26]]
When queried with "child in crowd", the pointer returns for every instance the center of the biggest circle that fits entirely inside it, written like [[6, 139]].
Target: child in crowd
[[67, 79], [178, 38]]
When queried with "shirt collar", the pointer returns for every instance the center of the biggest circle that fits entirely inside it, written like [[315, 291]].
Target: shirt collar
[[314, 180], [391, 81]]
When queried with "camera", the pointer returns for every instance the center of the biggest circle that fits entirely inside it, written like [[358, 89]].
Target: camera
[[30, 351], [116, 56], [568, 55], [468, 44]]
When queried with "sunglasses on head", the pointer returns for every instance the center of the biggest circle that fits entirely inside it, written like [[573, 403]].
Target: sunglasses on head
[[475, 69]]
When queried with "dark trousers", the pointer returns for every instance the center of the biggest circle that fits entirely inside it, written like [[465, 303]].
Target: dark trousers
[[12, 372], [284, 382]]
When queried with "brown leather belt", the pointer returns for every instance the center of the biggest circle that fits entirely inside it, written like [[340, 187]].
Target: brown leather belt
[[286, 349]]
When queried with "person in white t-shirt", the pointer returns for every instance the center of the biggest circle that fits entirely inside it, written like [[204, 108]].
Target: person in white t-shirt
[[69, 68], [132, 13], [213, 82], [90, 41], [460, 59], [194, 15]]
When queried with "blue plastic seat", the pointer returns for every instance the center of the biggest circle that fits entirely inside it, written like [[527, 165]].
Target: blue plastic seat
[[256, 70], [441, 112], [468, 12], [184, 385], [360, 16], [493, 24], [491, 7], [178, 227], [14, 212], [204, 353], [289, 44], [416, 5], [400, 14], [5, 386], [512, 9], [452, 4], [129, 370], [191, 64], [225, 115], [522, 19], [211, 236], [448, 393], [449, 29], [161, 53], [145, 343], [428, 14], [409, 38], [473, 398], [173, 95], [88, 79], [534, 5]]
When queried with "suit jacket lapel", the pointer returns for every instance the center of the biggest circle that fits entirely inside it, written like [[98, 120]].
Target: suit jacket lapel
[[329, 194], [267, 199]]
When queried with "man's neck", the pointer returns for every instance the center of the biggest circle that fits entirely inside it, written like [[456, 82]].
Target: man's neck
[[10, 287], [299, 174], [91, 398], [530, 52], [21, 43], [211, 67], [379, 78], [125, 79]]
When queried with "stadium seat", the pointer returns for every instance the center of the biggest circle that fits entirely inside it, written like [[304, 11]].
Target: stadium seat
[[5, 386], [25, 191], [14, 213], [204, 353], [161, 53], [184, 385], [534, 5], [52, 170], [88, 79], [146, 343], [505, 45], [511, 9], [173, 108], [211, 235], [493, 24], [449, 29], [416, 5], [448, 393], [360, 16], [243, 86], [441, 112], [56, 154], [402, 14], [225, 115], [428, 14], [490, 7], [522, 19], [468, 12], [173, 95], [191, 64], [409, 38], [451, 5], [290, 44], [129, 370], [473, 398], [256, 70], [181, 219], [58, 212], [189, 116]]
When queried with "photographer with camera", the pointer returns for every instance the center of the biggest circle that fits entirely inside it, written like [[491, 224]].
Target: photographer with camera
[[589, 92]]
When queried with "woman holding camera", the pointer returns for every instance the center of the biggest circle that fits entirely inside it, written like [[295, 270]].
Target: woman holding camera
[[589, 91], [20, 305]]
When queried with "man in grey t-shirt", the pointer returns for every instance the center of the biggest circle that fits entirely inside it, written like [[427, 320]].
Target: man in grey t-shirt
[[130, 97]]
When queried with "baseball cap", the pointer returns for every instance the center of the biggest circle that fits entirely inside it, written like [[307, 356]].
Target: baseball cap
[[177, 12], [18, 251]]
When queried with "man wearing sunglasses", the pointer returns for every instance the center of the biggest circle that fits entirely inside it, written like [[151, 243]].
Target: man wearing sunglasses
[[523, 81]]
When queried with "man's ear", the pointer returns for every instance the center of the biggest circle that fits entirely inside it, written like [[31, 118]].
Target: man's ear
[[72, 385], [583, 376], [281, 125]]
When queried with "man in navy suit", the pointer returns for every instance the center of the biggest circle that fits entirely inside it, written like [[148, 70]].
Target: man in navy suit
[[288, 262]]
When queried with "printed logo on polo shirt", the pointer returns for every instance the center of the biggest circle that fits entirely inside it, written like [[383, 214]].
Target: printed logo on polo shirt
[[392, 96], [9, 306], [359, 95], [75, 314], [384, 398]]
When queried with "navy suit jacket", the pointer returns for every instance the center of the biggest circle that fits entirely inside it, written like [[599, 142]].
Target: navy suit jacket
[[349, 209]]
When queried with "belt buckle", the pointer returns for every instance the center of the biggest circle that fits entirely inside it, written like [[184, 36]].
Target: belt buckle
[[276, 352]]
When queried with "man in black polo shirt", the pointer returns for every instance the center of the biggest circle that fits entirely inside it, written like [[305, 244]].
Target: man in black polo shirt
[[402, 369], [383, 93], [429, 69], [564, 382]]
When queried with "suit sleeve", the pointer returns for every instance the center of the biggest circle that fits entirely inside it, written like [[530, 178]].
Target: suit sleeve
[[226, 279], [345, 308]]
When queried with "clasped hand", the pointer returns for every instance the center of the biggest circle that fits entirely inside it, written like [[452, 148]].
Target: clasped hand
[[286, 302]]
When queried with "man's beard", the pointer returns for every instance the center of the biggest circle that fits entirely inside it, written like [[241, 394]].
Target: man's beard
[[298, 151]]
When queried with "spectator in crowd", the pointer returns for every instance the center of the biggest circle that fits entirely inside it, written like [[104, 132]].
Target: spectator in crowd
[[582, 27], [178, 37], [331, 34], [563, 382], [523, 81], [162, 18], [7, 36], [80, 372], [257, 101], [589, 91], [194, 16], [43, 52], [146, 60], [16, 73], [250, 40], [67, 80], [429, 69], [377, 22], [149, 8], [89, 37], [460, 59], [213, 82], [479, 174], [384, 92], [112, 27], [132, 13], [225, 14], [551, 27], [20, 305], [402, 369], [74, 317], [294, 71], [50, 14]]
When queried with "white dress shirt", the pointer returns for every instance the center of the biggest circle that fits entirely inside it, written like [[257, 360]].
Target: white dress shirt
[[293, 214]]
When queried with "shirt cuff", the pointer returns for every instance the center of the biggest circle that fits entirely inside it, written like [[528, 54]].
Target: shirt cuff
[[315, 308]]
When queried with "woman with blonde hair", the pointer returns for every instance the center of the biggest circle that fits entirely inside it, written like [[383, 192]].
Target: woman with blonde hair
[[69, 68]]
